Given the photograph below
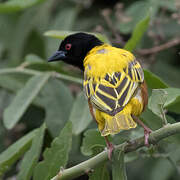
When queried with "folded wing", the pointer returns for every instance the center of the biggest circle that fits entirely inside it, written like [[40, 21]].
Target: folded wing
[[113, 91]]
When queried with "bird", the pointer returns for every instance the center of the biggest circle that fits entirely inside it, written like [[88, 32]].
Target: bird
[[113, 83]]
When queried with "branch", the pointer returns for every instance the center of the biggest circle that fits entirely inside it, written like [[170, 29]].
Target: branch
[[106, 15], [32, 72], [162, 47], [88, 165]]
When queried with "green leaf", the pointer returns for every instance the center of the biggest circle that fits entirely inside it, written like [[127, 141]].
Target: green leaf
[[154, 81], [31, 157], [28, 38], [132, 156], [150, 119], [56, 156], [21, 34], [137, 34], [100, 173], [15, 151], [62, 34], [62, 23], [7, 23], [17, 5], [59, 20], [23, 99], [159, 166], [118, 165], [173, 100], [57, 100], [11, 83], [33, 61], [32, 58], [157, 101], [80, 115], [135, 12], [91, 141], [12, 79]]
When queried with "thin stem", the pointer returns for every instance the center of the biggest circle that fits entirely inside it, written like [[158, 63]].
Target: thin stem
[[159, 48], [164, 120], [155, 137], [19, 70], [106, 15], [68, 78], [32, 72]]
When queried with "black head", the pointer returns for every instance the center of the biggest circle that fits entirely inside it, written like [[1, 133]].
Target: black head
[[74, 48]]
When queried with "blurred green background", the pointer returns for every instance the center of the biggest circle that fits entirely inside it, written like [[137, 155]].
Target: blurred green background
[[23, 45]]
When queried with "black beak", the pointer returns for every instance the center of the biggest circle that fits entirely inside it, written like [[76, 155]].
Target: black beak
[[58, 55]]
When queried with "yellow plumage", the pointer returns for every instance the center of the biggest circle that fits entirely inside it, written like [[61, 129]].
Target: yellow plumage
[[112, 79]]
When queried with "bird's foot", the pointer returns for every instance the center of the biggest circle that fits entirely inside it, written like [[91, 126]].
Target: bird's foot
[[110, 147], [110, 150], [146, 136], [147, 131]]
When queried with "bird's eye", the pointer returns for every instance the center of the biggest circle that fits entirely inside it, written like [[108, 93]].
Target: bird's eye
[[68, 47]]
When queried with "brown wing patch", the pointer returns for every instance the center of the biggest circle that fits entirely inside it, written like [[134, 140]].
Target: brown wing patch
[[144, 94]]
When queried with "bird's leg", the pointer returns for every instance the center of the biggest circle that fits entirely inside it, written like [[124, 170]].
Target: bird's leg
[[147, 130], [110, 147], [109, 144], [91, 109]]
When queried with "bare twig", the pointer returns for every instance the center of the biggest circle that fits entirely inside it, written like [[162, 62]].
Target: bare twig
[[159, 48], [106, 15]]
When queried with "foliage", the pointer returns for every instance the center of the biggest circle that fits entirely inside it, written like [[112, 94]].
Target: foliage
[[31, 157], [15, 151], [137, 34], [118, 168], [80, 119], [45, 122], [56, 156], [23, 99]]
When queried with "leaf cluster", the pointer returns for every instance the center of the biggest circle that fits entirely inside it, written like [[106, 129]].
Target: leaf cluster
[[45, 124]]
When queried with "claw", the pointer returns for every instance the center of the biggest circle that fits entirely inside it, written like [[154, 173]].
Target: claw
[[147, 131], [146, 138], [110, 148]]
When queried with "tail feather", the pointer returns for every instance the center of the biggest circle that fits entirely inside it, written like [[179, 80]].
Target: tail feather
[[114, 124]]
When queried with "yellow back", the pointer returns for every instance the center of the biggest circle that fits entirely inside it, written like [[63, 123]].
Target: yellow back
[[105, 58]]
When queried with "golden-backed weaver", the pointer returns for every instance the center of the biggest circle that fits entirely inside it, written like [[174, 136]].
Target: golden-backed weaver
[[113, 82]]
